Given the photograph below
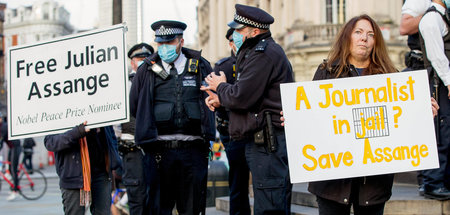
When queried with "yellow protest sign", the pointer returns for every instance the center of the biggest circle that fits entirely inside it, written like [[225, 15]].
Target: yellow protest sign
[[360, 126]]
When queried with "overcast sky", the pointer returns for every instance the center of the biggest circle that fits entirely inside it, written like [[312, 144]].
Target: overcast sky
[[84, 13]]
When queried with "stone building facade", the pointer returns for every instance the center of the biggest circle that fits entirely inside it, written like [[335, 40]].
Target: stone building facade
[[304, 28], [44, 20], [117, 11]]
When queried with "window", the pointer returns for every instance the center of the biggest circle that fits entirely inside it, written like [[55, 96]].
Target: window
[[335, 11], [45, 11]]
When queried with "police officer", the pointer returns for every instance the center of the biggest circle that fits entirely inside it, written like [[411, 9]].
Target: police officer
[[132, 155], [412, 11], [254, 102], [137, 53], [238, 175], [434, 30], [173, 124]]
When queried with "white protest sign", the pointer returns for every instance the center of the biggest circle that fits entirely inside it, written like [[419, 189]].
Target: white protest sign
[[56, 85], [350, 127]]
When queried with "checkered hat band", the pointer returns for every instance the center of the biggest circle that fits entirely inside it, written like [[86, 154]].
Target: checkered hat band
[[246, 21], [168, 31]]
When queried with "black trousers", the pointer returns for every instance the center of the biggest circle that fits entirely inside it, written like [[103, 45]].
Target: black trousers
[[133, 179], [101, 197], [435, 178], [270, 176], [27, 160], [328, 207], [238, 176], [177, 176], [13, 157]]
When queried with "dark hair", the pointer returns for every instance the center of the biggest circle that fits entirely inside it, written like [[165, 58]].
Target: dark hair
[[340, 50]]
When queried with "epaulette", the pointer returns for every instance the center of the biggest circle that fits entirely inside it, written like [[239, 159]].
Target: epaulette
[[221, 61], [261, 46]]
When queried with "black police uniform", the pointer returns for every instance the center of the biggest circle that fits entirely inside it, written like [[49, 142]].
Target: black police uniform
[[261, 67], [414, 58], [132, 155], [173, 105], [238, 174], [435, 178]]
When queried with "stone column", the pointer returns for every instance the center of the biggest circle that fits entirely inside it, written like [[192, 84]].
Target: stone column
[[213, 29]]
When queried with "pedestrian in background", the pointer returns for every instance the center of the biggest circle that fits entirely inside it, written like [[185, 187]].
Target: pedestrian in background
[[254, 104], [27, 160], [173, 124], [13, 156], [238, 176]]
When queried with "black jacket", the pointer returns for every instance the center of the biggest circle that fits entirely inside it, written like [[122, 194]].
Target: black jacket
[[261, 67], [29, 143], [11, 143], [68, 158], [228, 66], [141, 99], [372, 189]]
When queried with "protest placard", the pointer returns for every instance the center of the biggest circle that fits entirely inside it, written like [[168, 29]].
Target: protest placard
[[350, 127], [55, 85]]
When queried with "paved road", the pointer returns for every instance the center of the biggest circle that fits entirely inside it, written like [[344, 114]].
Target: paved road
[[49, 204]]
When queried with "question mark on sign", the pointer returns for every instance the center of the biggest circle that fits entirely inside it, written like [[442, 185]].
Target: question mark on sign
[[397, 115]]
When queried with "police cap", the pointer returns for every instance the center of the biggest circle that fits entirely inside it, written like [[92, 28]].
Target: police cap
[[140, 50], [167, 30], [229, 34], [250, 16]]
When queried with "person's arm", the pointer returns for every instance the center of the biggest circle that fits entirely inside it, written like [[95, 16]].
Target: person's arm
[[409, 24], [432, 29], [65, 140], [251, 85]]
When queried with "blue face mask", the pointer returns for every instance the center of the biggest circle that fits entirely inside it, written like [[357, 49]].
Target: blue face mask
[[168, 53], [238, 40]]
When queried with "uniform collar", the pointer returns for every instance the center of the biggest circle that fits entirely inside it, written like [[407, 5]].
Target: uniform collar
[[251, 42]]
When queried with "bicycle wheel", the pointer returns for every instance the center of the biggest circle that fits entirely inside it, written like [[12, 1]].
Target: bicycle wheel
[[34, 186]]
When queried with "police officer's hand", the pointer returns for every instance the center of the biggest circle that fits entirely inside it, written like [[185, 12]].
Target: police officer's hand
[[212, 101], [434, 106], [214, 80]]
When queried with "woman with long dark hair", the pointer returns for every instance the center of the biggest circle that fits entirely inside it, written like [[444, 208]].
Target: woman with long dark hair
[[359, 49]]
